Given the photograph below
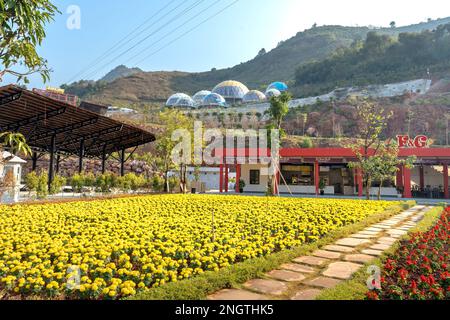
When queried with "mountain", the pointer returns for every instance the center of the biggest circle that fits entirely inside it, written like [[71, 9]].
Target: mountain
[[120, 72], [280, 64]]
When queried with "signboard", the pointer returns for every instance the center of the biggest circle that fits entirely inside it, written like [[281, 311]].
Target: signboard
[[404, 141]]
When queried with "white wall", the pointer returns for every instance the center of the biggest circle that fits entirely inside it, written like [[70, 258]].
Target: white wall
[[245, 175]]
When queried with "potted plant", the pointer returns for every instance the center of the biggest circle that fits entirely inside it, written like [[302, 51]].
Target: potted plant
[[241, 186], [322, 186]]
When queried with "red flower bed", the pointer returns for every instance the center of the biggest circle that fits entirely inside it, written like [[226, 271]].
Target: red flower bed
[[420, 269]]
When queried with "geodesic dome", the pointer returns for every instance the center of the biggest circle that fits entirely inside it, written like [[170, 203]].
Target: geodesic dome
[[231, 90], [180, 100], [280, 86], [199, 96], [254, 96], [272, 93], [214, 100]]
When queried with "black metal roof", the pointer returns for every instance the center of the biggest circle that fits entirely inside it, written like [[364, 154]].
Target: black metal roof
[[40, 118]]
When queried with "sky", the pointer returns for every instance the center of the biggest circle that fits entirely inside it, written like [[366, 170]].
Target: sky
[[197, 35]]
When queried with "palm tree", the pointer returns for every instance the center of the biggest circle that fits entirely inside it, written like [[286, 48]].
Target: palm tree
[[16, 143]]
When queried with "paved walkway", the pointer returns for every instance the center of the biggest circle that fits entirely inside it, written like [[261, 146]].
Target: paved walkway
[[305, 277]]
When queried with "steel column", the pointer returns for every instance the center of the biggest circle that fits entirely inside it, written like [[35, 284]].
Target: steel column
[[51, 173], [122, 162], [104, 159], [34, 159], [58, 160], [81, 156]]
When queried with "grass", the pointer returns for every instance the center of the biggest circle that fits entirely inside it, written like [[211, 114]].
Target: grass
[[200, 287], [356, 288]]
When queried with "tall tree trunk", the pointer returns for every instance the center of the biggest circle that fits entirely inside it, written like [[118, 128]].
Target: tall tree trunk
[[379, 190], [368, 187]]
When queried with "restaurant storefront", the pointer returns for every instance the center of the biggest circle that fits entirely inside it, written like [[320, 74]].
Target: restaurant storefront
[[309, 171]]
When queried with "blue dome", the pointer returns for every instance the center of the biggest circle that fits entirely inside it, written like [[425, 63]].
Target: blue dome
[[199, 96], [231, 89], [272, 93], [180, 100], [215, 100], [280, 86]]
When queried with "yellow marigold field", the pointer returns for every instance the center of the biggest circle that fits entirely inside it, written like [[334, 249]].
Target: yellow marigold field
[[108, 249]]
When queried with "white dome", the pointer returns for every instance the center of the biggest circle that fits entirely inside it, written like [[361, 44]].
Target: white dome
[[254, 96], [273, 93], [180, 100], [199, 96]]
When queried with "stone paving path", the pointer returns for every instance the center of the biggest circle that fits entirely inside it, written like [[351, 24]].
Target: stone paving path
[[305, 277]]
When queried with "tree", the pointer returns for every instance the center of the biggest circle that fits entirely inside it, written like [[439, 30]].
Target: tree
[[31, 181], [386, 163], [372, 121], [279, 108], [393, 24], [261, 52], [22, 30], [173, 120]]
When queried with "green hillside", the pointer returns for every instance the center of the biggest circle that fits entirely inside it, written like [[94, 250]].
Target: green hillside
[[379, 59]]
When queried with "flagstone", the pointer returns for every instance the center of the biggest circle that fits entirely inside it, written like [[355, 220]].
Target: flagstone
[[271, 287], [312, 261], [372, 229], [235, 295], [322, 282], [386, 240], [285, 275], [326, 254], [360, 258], [380, 246], [352, 242], [341, 270], [372, 252], [333, 247], [306, 294], [363, 236], [397, 232], [297, 268]]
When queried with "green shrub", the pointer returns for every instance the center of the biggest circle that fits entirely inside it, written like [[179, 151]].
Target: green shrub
[[57, 184], [42, 186], [32, 181]]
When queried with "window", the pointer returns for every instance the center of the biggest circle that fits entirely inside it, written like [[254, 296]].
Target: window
[[254, 177]]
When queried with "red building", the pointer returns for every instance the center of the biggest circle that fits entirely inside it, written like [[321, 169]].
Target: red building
[[300, 171]]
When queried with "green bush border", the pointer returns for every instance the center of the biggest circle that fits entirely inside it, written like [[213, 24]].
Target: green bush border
[[199, 287], [356, 288]]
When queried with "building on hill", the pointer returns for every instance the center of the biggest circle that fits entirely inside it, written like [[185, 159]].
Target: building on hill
[[213, 100], [180, 100], [232, 91], [199, 96], [58, 94], [254, 96]]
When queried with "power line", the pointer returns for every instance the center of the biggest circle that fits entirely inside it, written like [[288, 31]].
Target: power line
[[172, 31], [187, 32], [185, 11], [120, 43]]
